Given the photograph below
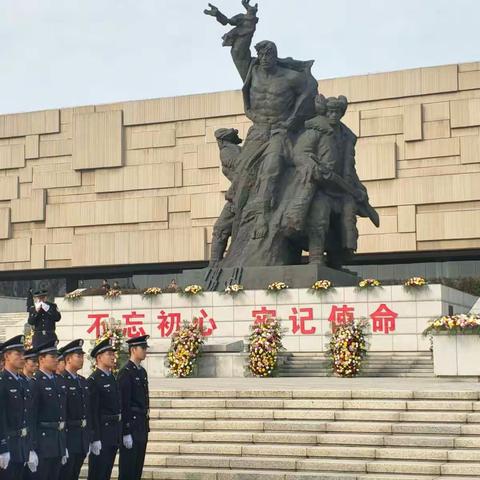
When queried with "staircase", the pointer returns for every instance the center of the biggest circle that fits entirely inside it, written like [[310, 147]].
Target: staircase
[[377, 364], [7, 319], [311, 434]]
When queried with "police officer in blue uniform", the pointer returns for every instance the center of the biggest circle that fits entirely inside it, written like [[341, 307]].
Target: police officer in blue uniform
[[43, 316], [1, 357], [105, 403], [29, 368], [16, 403], [78, 410], [133, 380], [31, 364], [50, 414]]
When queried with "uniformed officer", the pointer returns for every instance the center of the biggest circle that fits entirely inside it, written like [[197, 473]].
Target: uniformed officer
[[15, 422], [30, 358], [133, 382], [50, 415], [31, 364], [105, 402], [43, 316], [60, 363], [2, 362], [78, 410]]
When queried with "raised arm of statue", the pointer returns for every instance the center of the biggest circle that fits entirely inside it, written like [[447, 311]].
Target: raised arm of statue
[[241, 54], [213, 11], [240, 37]]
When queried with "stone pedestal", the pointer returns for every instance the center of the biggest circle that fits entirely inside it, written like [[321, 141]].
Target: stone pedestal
[[297, 276], [397, 318], [257, 278], [456, 355]]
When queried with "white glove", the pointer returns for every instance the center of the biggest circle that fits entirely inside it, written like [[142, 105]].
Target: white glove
[[32, 461], [127, 441], [45, 307], [65, 457], [4, 460], [95, 447], [38, 306]]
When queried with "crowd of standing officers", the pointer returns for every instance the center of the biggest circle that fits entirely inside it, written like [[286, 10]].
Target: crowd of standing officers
[[52, 418]]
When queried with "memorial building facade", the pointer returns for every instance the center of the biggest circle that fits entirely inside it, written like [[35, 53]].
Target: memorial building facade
[[132, 190]]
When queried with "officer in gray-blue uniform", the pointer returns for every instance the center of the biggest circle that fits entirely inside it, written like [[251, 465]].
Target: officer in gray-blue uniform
[[50, 414], [78, 410], [133, 380], [29, 369], [16, 403], [105, 403], [30, 366], [43, 317]]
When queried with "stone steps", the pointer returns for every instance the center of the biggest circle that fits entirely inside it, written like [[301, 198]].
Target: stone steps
[[314, 434], [377, 364], [277, 474], [308, 451], [379, 374]]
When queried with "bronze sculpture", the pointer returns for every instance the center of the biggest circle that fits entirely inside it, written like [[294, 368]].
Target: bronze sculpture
[[294, 183]]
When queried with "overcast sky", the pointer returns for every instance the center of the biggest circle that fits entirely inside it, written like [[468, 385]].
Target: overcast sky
[[57, 53]]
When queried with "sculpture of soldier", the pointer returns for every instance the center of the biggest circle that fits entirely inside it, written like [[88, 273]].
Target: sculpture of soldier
[[327, 150], [229, 146]]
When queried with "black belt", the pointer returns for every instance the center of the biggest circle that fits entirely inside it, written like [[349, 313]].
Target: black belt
[[53, 425], [77, 423], [112, 418], [142, 411], [43, 332], [22, 433]]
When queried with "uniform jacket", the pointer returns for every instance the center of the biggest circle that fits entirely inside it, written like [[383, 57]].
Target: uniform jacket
[[16, 428], [78, 414], [43, 323], [133, 382], [105, 407], [50, 405]]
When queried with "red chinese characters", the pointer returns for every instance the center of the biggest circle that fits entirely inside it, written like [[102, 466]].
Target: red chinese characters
[[299, 317], [133, 328], [200, 321], [97, 323], [341, 315], [263, 314], [169, 323], [383, 319]]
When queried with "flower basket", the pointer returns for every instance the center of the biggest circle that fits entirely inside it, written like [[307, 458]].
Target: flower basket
[[152, 292], [369, 284], [321, 286], [112, 294], [265, 341], [233, 290], [348, 348], [415, 283], [74, 296], [456, 345], [277, 287], [454, 324], [185, 349], [192, 291], [28, 339]]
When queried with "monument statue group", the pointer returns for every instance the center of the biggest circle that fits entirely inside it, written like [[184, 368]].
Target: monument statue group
[[294, 185]]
